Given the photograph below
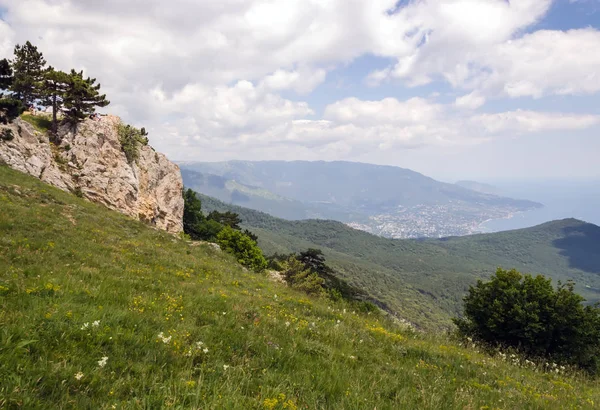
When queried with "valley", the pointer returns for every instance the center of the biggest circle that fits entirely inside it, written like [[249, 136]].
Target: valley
[[387, 201]]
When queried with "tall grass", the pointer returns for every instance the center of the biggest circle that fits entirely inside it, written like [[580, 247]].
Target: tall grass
[[99, 311]]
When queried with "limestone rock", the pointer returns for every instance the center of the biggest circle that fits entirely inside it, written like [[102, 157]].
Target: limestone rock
[[91, 163]]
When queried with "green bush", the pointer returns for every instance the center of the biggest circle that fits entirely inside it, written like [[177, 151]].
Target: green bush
[[131, 140], [298, 276], [243, 247], [526, 313], [10, 109], [7, 135]]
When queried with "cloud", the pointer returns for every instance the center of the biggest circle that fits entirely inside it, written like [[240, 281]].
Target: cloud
[[470, 101], [6, 39], [480, 46], [353, 128], [302, 80], [231, 78]]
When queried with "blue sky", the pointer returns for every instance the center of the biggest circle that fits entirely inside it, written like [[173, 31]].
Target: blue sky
[[456, 89]]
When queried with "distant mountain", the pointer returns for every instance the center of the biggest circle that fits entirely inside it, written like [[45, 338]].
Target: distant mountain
[[385, 200], [424, 280], [479, 187]]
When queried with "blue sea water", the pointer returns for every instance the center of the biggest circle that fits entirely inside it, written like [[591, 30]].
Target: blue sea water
[[562, 199]]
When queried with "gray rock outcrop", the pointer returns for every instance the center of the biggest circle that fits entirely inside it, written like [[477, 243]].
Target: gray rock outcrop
[[90, 162]]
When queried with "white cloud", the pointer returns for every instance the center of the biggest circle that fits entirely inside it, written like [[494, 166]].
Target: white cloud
[[7, 43], [479, 45], [303, 80], [470, 101], [207, 77]]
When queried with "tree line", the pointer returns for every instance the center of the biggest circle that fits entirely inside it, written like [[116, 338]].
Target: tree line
[[26, 82]]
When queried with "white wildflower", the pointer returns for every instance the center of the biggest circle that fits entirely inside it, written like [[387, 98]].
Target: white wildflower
[[85, 326], [96, 323], [102, 362], [352, 357], [79, 375], [164, 339], [225, 366], [205, 350], [199, 345], [287, 324]]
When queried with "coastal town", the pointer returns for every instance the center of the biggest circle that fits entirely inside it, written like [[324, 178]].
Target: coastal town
[[431, 221]]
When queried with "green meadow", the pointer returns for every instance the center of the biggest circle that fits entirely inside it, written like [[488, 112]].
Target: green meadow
[[100, 311]]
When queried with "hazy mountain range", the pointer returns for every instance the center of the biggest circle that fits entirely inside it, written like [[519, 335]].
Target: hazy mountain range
[[384, 200]]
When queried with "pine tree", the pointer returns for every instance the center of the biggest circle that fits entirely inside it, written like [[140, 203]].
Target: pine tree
[[28, 68], [82, 96], [54, 86], [6, 74]]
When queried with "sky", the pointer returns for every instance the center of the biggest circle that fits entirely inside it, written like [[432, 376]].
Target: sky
[[455, 89]]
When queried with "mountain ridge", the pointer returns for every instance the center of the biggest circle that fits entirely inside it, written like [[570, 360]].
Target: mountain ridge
[[382, 199]]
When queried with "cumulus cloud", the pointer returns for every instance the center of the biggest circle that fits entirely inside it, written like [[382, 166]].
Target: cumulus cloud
[[480, 45], [234, 77]]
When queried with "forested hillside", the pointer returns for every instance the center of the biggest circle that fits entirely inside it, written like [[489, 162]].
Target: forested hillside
[[424, 280]]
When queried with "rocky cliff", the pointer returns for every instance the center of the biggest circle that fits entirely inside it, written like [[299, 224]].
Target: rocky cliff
[[89, 162]]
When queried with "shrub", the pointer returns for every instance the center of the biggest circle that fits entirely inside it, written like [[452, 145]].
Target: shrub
[[298, 276], [10, 109], [526, 313], [131, 139], [7, 135], [243, 247]]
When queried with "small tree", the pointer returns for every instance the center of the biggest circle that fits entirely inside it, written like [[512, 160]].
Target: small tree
[[54, 87], [528, 314], [82, 96], [131, 139], [9, 109], [192, 214], [298, 276], [28, 67], [245, 249], [6, 74], [228, 218]]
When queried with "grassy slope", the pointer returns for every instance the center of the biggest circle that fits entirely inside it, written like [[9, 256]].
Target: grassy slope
[[424, 280], [65, 262]]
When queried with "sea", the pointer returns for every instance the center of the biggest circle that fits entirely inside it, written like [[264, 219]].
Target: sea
[[562, 199]]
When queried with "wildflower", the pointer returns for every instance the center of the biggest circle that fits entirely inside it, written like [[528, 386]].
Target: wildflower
[[287, 324], [79, 375], [199, 345], [224, 313], [225, 366], [96, 323], [102, 362], [85, 326], [205, 350], [164, 339], [352, 357]]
